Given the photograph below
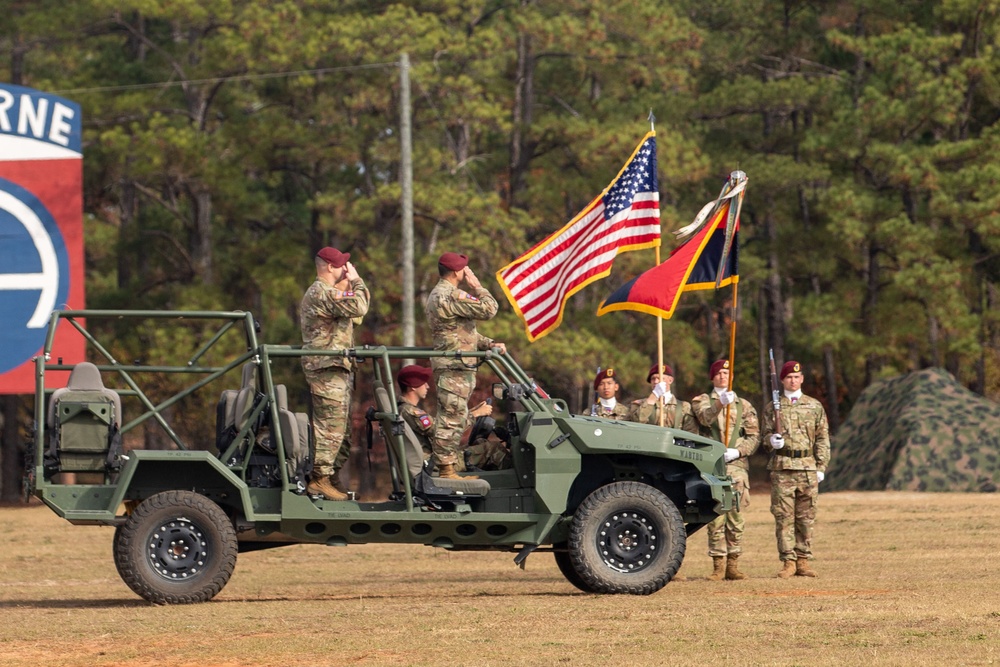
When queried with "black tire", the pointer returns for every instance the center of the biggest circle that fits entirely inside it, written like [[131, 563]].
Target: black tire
[[565, 564], [177, 547], [627, 537]]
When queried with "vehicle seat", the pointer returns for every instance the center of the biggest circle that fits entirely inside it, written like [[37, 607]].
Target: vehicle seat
[[225, 413], [296, 434], [416, 467], [84, 419]]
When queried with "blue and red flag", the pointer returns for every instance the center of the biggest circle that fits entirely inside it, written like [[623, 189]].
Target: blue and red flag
[[709, 259]]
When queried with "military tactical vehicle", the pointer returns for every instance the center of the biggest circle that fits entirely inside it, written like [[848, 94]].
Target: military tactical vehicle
[[613, 501]]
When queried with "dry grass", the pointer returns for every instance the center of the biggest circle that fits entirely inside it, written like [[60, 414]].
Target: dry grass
[[905, 579]]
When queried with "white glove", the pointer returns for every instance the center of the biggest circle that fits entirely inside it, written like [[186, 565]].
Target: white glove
[[819, 476], [731, 454], [660, 389], [777, 441], [727, 397]]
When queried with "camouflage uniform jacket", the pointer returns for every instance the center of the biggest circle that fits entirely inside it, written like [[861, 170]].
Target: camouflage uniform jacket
[[452, 315], [618, 413], [744, 430], [421, 422], [644, 413], [805, 429], [325, 316]]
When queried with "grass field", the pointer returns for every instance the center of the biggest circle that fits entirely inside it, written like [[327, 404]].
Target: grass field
[[905, 579]]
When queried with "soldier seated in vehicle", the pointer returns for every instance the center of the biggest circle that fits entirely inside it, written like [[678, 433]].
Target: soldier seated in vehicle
[[483, 453]]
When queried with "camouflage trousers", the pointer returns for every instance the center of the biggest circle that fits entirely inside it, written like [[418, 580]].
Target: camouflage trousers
[[725, 532], [488, 455], [331, 401], [454, 388], [793, 504]]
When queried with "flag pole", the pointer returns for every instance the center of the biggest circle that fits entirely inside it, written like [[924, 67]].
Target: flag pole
[[661, 403], [732, 318], [732, 353]]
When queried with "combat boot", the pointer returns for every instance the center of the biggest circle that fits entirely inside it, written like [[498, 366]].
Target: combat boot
[[447, 471], [787, 569], [802, 568], [322, 486], [337, 482], [718, 568], [732, 568]]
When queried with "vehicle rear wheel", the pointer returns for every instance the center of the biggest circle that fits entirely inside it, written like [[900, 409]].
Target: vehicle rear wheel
[[627, 537], [565, 563], [177, 547]]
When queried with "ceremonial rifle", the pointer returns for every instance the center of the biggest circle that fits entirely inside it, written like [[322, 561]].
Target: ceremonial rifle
[[593, 406], [775, 395]]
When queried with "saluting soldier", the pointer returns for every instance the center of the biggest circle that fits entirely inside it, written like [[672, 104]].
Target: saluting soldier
[[725, 532], [676, 413], [327, 318], [799, 455], [607, 405], [452, 314]]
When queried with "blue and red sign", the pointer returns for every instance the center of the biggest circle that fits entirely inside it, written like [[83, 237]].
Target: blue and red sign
[[41, 230]]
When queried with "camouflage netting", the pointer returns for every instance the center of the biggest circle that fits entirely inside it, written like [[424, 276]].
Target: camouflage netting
[[918, 432]]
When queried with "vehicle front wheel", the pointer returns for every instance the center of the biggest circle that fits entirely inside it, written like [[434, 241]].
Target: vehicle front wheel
[[627, 537], [177, 547]]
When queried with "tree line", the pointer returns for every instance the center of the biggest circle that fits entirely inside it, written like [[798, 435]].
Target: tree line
[[225, 141]]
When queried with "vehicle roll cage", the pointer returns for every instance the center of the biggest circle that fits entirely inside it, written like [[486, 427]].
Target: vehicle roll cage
[[513, 377]]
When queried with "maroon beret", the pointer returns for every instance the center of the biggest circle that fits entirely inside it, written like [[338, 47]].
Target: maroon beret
[[721, 364], [453, 261], [606, 373], [790, 367], [665, 370], [413, 376], [334, 256]]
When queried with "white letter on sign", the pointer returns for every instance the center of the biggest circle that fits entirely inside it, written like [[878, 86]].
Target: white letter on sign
[[33, 117], [60, 129]]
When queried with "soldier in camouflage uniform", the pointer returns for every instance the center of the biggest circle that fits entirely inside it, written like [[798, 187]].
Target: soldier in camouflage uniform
[[676, 413], [799, 454], [327, 318], [452, 314], [413, 387], [607, 405], [725, 532]]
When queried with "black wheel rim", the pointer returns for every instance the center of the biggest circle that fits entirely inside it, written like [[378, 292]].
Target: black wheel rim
[[627, 541], [177, 549]]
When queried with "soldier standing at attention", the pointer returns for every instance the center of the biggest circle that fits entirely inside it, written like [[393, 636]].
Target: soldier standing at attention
[[326, 316], [413, 387], [798, 460], [725, 532], [677, 413], [452, 314], [607, 406]]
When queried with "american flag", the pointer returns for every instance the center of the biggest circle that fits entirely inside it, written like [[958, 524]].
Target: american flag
[[626, 216]]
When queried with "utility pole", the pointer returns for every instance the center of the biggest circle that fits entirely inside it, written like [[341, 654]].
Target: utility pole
[[406, 183]]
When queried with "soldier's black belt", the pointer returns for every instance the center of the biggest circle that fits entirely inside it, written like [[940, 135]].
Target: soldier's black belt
[[800, 454]]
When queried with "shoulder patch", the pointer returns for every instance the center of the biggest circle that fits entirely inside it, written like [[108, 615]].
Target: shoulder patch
[[425, 420]]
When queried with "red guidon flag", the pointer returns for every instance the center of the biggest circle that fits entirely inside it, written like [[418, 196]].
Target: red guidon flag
[[625, 216], [708, 259]]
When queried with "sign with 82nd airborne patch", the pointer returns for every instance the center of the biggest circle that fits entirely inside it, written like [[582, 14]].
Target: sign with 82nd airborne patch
[[41, 224]]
